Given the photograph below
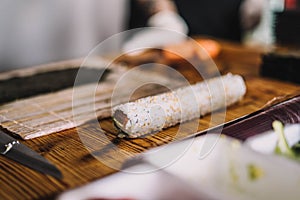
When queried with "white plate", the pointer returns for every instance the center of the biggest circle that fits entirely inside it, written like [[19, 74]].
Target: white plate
[[222, 172], [225, 172]]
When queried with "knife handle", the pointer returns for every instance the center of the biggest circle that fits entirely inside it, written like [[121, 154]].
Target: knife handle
[[9, 146]]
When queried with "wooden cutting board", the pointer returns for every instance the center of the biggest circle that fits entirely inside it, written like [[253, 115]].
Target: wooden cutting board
[[70, 154]]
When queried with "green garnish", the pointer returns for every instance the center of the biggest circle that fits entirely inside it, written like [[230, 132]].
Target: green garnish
[[254, 172], [282, 147]]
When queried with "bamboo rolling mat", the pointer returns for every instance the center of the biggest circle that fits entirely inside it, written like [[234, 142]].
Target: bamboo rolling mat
[[53, 112]]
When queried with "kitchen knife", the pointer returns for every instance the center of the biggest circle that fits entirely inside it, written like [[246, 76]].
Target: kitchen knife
[[13, 149]]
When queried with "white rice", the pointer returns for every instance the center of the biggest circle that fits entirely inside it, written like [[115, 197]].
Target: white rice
[[153, 113]]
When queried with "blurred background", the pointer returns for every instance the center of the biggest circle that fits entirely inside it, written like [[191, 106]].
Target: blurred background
[[36, 32]]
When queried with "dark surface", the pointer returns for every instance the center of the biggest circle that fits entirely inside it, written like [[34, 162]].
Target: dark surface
[[287, 27], [282, 67], [22, 87], [216, 18], [288, 112]]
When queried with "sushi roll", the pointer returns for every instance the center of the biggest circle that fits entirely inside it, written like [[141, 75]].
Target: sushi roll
[[154, 113]]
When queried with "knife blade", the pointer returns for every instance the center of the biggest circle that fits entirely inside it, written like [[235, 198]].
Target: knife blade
[[14, 150]]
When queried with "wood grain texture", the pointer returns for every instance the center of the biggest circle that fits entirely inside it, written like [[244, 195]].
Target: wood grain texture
[[67, 151]]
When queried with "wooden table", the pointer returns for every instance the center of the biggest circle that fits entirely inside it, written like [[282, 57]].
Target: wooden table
[[79, 167]]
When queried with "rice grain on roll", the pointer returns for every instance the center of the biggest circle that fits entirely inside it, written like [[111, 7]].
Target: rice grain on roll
[[154, 113]]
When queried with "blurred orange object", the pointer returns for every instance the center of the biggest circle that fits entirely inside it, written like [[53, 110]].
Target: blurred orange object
[[212, 47], [202, 48]]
